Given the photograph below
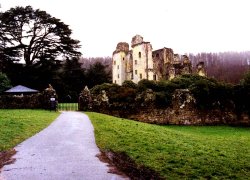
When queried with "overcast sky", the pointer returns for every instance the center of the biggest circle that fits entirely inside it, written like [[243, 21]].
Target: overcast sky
[[183, 25]]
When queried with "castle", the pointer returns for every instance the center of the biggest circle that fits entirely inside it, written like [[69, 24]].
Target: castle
[[141, 62]]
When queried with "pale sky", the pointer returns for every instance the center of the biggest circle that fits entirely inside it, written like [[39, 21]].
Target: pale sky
[[183, 25]]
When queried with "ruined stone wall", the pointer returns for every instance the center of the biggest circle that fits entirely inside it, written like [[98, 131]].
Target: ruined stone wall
[[189, 117], [137, 39], [129, 66], [122, 46], [142, 62], [182, 111], [162, 59], [200, 69], [186, 65], [119, 62], [119, 67]]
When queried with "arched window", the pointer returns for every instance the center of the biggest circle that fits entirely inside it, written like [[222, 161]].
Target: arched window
[[139, 54]]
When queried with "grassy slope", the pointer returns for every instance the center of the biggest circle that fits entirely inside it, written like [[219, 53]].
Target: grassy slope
[[18, 125], [178, 151]]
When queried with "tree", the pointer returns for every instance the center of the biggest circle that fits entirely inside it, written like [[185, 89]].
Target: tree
[[35, 36], [4, 82], [72, 80], [244, 94], [97, 74]]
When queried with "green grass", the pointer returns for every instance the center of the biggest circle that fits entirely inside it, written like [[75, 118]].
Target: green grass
[[18, 125], [177, 152], [67, 106]]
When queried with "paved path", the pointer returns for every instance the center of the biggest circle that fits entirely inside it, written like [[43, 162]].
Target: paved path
[[65, 150]]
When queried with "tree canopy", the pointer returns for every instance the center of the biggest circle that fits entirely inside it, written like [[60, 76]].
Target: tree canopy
[[34, 36]]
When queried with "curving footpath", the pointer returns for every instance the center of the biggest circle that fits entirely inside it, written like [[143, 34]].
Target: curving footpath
[[63, 151]]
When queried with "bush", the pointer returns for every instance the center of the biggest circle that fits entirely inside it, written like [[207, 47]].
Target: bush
[[208, 92], [129, 84], [105, 86], [123, 95], [242, 95], [147, 84], [4, 82]]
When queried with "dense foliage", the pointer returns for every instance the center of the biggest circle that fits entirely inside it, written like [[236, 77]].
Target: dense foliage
[[208, 92], [35, 36]]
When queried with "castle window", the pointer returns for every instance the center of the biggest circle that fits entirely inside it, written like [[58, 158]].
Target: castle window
[[139, 54], [117, 66], [123, 59], [118, 76], [135, 62], [154, 77], [114, 63], [140, 76], [135, 71]]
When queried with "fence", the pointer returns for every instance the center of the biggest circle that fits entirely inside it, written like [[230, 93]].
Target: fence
[[67, 107]]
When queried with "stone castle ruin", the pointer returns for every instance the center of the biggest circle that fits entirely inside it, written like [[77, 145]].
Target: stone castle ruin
[[141, 62]]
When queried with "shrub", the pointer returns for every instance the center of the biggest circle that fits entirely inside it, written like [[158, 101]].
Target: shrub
[[129, 84], [4, 82], [105, 86], [242, 95], [147, 84]]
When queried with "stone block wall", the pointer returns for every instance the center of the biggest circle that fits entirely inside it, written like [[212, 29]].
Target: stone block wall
[[181, 112]]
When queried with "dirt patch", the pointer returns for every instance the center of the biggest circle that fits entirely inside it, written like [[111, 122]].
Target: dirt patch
[[5, 157], [123, 164], [112, 168]]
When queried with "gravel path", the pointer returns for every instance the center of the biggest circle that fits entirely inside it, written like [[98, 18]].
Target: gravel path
[[64, 150]]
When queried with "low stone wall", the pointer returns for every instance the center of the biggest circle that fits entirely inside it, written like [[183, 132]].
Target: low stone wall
[[190, 117], [181, 112], [178, 117]]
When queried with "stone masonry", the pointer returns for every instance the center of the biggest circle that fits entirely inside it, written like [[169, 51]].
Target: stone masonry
[[141, 62]]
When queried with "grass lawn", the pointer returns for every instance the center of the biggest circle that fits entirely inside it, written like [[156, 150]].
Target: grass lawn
[[18, 125], [177, 152]]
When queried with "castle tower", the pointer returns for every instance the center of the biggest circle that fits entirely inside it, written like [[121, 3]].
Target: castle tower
[[142, 59], [119, 63]]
